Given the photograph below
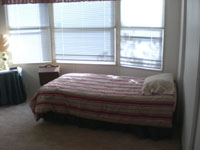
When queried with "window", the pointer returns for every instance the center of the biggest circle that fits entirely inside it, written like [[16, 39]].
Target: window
[[84, 31], [30, 33], [142, 30]]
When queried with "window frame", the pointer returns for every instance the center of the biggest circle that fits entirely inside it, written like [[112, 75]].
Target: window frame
[[146, 28], [30, 28], [84, 62], [117, 39]]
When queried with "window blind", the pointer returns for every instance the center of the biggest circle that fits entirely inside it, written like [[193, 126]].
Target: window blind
[[9, 2], [142, 32], [86, 33], [29, 33]]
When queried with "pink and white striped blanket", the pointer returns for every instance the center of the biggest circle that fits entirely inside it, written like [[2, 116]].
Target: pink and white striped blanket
[[109, 98]]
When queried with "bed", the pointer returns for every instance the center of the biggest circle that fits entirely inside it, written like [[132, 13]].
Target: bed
[[107, 98]]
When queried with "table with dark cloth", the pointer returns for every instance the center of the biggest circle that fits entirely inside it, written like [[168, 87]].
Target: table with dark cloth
[[11, 87]]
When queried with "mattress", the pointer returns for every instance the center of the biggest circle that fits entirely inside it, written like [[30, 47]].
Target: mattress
[[109, 98]]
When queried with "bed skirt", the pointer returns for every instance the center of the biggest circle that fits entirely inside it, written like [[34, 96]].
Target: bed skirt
[[154, 133]]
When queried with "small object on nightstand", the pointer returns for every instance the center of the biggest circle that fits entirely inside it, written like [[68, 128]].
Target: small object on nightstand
[[15, 68], [48, 73]]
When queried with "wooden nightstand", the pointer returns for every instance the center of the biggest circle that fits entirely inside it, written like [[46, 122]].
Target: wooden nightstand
[[47, 73]]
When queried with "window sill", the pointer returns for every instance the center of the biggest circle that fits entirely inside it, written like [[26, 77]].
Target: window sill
[[32, 63], [141, 68], [85, 62]]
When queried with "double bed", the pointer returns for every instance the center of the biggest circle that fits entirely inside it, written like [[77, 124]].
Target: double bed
[[107, 98]]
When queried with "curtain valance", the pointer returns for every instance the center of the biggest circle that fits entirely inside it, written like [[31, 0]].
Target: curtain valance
[[9, 2]]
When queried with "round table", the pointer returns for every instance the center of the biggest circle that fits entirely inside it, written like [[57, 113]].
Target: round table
[[11, 87]]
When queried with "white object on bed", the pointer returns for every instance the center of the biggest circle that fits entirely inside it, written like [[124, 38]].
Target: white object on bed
[[159, 84]]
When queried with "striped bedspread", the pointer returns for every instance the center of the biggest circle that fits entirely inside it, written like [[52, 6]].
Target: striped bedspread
[[116, 99]]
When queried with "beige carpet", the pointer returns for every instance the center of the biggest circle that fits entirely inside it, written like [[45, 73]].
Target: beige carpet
[[19, 131]]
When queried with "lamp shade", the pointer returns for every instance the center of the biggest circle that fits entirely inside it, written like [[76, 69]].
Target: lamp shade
[[3, 42]]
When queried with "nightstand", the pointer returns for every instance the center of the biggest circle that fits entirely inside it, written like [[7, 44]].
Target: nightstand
[[48, 73]]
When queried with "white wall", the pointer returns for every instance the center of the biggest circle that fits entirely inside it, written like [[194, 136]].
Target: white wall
[[2, 18], [197, 137], [197, 131], [190, 75], [171, 50]]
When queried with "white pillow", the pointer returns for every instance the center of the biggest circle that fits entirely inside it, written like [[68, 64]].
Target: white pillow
[[159, 84]]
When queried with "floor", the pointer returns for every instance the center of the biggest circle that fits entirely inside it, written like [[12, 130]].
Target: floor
[[19, 131]]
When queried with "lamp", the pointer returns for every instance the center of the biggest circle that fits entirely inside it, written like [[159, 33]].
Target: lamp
[[3, 53]]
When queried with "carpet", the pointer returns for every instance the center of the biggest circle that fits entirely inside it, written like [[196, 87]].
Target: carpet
[[19, 131]]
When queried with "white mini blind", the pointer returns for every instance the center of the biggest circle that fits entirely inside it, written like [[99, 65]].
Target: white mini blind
[[84, 31], [142, 32], [29, 33]]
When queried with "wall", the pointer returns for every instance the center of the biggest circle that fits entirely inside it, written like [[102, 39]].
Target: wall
[[197, 131], [190, 73], [2, 20], [171, 50], [197, 137]]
